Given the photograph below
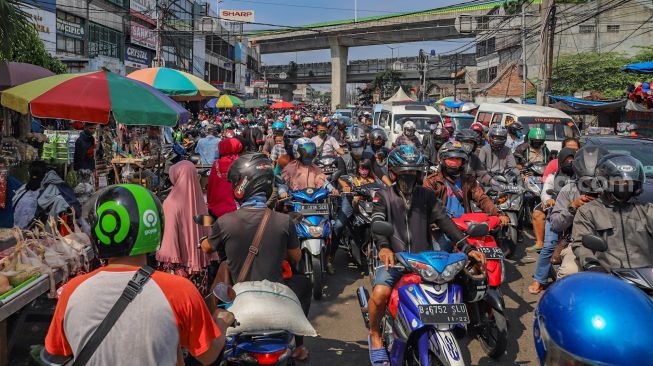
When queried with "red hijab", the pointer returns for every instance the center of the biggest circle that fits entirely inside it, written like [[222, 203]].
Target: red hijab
[[219, 191]]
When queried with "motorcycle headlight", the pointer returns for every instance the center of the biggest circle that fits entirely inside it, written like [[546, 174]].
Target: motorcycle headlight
[[430, 274], [315, 231], [450, 272], [427, 272]]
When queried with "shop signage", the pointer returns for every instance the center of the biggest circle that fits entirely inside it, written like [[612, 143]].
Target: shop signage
[[143, 36], [70, 29], [143, 9], [137, 58], [237, 15], [259, 83], [45, 23]]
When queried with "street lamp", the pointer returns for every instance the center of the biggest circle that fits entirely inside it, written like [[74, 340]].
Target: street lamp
[[393, 50]]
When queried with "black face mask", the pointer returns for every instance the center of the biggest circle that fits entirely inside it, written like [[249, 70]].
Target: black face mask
[[406, 183], [537, 144], [567, 169], [452, 172]]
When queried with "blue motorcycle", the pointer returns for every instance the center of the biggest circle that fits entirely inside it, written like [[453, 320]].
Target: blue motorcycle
[[426, 312], [314, 230]]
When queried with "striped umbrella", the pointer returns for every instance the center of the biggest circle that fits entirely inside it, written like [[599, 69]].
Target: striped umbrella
[[224, 102], [177, 84], [95, 97]]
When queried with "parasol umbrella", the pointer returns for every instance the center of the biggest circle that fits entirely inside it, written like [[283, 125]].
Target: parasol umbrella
[[95, 97], [16, 73], [255, 103], [282, 105], [225, 101], [177, 84]]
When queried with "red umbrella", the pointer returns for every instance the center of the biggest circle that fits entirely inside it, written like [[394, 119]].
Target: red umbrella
[[282, 105]]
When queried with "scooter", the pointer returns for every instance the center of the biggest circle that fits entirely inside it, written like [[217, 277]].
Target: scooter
[[329, 166], [313, 231], [511, 204], [426, 307], [642, 278], [270, 347], [357, 239], [533, 173], [488, 315]]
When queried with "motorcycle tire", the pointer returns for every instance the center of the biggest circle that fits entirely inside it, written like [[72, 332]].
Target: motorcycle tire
[[317, 277], [495, 347], [509, 241]]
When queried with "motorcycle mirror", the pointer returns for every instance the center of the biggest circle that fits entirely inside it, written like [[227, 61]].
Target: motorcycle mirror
[[203, 220], [224, 293], [383, 228], [550, 192], [594, 243], [478, 229]]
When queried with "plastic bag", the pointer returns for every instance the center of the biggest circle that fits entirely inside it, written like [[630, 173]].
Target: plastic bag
[[265, 305]]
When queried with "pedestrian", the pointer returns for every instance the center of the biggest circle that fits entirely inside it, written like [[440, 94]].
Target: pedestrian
[[164, 313], [179, 253], [218, 193], [207, 147], [84, 157]]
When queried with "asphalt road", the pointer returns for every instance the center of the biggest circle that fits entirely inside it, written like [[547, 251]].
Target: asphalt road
[[342, 337]]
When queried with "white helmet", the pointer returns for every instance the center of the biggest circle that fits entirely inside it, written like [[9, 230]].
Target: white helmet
[[468, 107], [409, 128]]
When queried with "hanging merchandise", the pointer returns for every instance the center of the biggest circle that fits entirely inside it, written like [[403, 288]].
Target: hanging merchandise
[[4, 175], [60, 146]]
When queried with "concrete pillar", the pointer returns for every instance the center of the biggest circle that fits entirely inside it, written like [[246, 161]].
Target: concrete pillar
[[339, 55]]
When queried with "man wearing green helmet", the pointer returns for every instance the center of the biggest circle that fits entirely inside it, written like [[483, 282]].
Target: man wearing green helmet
[[158, 314], [535, 150]]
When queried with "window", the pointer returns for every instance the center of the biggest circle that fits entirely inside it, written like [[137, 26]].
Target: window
[[492, 73], [70, 36], [484, 118], [613, 28], [497, 118], [586, 28], [481, 76], [484, 48], [105, 41], [384, 119]]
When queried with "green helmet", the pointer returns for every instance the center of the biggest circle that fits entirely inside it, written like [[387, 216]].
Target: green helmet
[[126, 220], [536, 133]]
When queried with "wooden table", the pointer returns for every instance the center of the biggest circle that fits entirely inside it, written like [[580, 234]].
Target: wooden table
[[140, 163]]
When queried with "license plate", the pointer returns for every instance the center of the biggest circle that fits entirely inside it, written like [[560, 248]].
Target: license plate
[[316, 208], [491, 252], [328, 170], [443, 314]]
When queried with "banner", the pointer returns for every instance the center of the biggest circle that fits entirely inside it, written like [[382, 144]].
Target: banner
[[70, 29], [45, 23], [237, 15], [259, 83], [137, 57], [143, 9], [143, 36]]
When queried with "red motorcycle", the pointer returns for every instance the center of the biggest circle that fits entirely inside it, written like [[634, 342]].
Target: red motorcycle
[[488, 315]]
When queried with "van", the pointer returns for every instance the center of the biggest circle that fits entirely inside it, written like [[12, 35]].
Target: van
[[556, 124], [392, 118], [376, 113]]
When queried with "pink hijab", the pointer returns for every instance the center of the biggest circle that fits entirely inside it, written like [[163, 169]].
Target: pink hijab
[[181, 234]]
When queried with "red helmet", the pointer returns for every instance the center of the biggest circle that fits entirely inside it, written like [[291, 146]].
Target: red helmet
[[448, 125], [477, 127]]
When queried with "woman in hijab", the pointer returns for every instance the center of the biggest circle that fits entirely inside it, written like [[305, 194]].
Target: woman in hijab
[[219, 191], [179, 253], [24, 200], [552, 187]]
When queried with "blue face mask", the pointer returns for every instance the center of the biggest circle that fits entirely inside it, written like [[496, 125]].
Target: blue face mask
[[519, 135]]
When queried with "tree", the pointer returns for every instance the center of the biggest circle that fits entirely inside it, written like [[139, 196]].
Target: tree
[[20, 40], [292, 70], [387, 81], [364, 95]]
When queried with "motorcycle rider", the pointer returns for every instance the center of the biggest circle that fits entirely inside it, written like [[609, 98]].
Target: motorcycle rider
[[449, 126], [468, 139], [515, 135], [326, 145], [480, 131], [252, 176], [252, 135], [571, 197], [535, 150], [574, 319], [308, 127], [436, 139], [496, 156], [408, 137], [339, 130], [624, 223], [301, 173], [457, 190], [411, 209]]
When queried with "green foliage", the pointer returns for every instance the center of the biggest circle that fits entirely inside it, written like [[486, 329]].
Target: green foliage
[[364, 95], [387, 81], [292, 70], [20, 40], [594, 72]]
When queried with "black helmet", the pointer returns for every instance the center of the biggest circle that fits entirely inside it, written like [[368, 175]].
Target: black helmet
[[406, 157], [514, 128], [584, 165], [125, 220], [378, 133], [251, 174], [474, 283], [355, 137], [621, 176], [498, 135], [289, 138], [468, 138], [453, 149]]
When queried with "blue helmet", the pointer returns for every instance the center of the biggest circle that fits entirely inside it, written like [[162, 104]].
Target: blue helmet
[[593, 319], [406, 157], [278, 127]]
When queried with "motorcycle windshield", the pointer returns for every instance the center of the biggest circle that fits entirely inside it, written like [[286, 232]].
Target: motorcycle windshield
[[438, 260], [310, 194]]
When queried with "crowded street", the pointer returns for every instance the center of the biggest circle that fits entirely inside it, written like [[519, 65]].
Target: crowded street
[[366, 182]]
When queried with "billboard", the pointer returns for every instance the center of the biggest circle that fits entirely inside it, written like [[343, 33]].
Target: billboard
[[143, 9], [259, 83], [137, 57], [143, 36], [45, 23], [246, 16]]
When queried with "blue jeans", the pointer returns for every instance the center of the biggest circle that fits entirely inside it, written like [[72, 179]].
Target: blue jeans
[[544, 260], [343, 215]]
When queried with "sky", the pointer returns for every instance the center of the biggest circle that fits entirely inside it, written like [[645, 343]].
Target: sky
[[301, 12]]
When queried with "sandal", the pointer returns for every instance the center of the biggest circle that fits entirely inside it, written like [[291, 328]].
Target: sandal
[[378, 356], [535, 248], [300, 354], [532, 291]]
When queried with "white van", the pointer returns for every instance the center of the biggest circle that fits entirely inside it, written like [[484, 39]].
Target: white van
[[392, 118], [557, 124]]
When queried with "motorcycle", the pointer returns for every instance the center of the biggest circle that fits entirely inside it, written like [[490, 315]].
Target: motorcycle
[[313, 230], [533, 173], [488, 315], [270, 347], [642, 278], [426, 307], [329, 166], [357, 239], [510, 203]]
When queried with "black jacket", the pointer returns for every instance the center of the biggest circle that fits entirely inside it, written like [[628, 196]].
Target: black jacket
[[84, 146], [413, 226]]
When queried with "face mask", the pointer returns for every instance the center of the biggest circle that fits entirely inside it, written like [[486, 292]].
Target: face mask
[[519, 135], [321, 133], [406, 183], [357, 152], [567, 169], [364, 172], [537, 144], [409, 133]]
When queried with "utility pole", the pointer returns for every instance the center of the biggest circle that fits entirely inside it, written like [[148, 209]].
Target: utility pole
[[87, 34], [523, 53], [455, 77], [547, 16], [158, 35]]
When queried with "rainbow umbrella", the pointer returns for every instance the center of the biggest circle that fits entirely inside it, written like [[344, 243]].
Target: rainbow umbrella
[[95, 97], [224, 102], [177, 84]]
